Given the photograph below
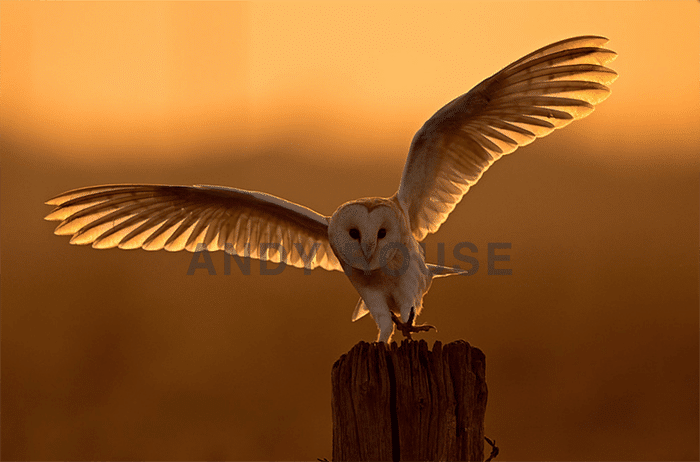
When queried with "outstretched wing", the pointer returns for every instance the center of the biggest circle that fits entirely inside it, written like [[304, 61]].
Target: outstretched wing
[[174, 218], [543, 91]]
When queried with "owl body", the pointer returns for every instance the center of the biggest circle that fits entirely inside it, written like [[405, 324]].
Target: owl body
[[374, 241], [383, 260]]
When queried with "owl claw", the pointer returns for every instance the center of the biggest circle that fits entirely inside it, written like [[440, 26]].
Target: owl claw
[[407, 328]]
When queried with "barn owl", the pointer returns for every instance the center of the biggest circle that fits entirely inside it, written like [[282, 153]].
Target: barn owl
[[374, 241]]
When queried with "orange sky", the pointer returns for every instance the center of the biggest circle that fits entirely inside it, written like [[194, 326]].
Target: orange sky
[[186, 74]]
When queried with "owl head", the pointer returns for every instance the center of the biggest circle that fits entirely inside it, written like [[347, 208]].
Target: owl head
[[366, 233]]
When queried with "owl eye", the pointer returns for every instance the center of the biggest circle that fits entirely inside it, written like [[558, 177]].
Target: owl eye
[[354, 233], [382, 233]]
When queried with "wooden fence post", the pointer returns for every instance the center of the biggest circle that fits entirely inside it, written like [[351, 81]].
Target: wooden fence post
[[409, 403]]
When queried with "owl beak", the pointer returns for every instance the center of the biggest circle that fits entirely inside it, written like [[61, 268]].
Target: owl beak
[[368, 250]]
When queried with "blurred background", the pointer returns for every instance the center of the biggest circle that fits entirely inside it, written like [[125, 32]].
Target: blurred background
[[591, 343]]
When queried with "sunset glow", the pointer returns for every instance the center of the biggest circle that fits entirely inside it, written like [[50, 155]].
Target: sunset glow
[[178, 76]]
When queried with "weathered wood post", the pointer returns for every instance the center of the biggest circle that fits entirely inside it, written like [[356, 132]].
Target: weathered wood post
[[409, 403]]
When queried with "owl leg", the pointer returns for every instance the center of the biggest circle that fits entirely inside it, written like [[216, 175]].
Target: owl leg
[[408, 327], [376, 304], [386, 327]]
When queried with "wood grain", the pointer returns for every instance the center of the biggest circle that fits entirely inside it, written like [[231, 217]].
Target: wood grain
[[406, 402]]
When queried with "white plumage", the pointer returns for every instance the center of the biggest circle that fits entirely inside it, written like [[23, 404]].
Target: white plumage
[[374, 240]]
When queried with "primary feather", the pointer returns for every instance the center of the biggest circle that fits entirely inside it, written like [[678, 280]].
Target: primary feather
[[540, 92], [155, 217]]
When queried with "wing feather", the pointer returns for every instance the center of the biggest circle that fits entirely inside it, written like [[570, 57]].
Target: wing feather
[[543, 91], [175, 218]]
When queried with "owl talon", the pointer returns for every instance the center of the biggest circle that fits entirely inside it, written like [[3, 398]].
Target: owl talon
[[407, 328]]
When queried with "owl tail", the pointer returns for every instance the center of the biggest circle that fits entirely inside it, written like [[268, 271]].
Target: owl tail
[[360, 310], [437, 271]]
